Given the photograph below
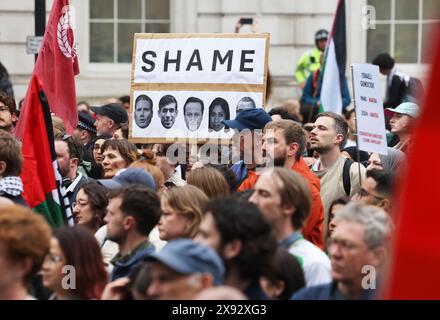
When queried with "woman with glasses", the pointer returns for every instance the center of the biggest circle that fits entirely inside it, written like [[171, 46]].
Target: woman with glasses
[[97, 172], [90, 206], [73, 269]]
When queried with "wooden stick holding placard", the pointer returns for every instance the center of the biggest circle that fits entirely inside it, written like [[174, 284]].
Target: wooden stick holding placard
[[357, 136]]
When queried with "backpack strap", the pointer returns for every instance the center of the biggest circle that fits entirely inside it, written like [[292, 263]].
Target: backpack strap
[[346, 181]]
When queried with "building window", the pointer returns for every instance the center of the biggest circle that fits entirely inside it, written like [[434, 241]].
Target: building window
[[403, 29], [114, 22]]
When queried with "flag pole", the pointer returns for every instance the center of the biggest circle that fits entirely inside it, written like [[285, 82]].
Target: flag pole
[[40, 19], [357, 136]]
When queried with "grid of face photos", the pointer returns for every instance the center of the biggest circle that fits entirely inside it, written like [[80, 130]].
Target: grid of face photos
[[182, 114]]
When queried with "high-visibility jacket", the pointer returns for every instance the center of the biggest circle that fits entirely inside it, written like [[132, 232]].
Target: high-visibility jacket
[[308, 63]]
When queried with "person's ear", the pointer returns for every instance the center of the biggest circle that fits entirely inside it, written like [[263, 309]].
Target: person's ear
[[84, 134], [288, 210], [339, 138], [207, 280], [378, 256], [385, 204], [2, 167], [292, 149], [74, 162], [232, 249], [278, 287], [13, 117], [129, 223], [111, 123]]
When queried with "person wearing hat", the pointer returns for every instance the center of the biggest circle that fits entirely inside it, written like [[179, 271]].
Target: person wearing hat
[[402, 122], [129, 176], [86, 133], [249, 125], [109, 118], [309, 61], [189, 267]]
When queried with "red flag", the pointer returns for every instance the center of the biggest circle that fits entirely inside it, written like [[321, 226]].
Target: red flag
[[41, 180], [56, 66], [415, 261]]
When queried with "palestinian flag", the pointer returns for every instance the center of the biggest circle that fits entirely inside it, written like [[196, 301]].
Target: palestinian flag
[[335, 60], [41, 179]]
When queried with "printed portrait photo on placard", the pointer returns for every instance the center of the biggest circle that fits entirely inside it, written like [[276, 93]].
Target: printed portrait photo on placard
[[143, 111], [187, 114]]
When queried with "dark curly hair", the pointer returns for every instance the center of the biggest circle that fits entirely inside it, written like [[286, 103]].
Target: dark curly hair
[[237, 220]]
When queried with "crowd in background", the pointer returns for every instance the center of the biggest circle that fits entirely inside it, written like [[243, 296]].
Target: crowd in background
[[299, 220]]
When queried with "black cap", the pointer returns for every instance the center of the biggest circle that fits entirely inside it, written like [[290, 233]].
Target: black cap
[[86, 122], [112, 110]]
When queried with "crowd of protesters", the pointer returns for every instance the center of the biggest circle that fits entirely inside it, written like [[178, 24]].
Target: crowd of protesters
[[299, 219]]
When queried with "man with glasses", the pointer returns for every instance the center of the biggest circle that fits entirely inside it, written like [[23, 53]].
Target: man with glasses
[[357, 251], [376, 190], [69, 152]]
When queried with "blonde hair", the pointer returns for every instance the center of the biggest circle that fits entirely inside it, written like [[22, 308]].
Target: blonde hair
[[190, 202], [58, 126], [210, 181]]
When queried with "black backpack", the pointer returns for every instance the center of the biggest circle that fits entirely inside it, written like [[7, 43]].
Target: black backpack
[[346, 180]]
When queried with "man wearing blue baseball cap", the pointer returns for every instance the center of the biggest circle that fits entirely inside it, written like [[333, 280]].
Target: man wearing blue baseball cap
[[402, 122], [182, 269], [249, 125]]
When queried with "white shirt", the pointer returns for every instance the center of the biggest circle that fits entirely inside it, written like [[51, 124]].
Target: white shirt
[[315, 263]]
